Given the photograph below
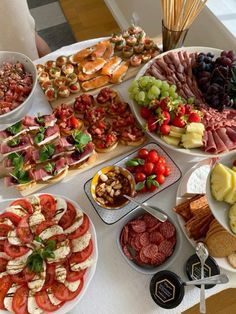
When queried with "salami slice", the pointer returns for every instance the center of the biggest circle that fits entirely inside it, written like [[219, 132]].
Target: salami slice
[[155, 227], [126, 233], [150, 220], [133, 244], [144, 239], [144, 259], [166, 248], [156, 237], [150, 250], [167, 229], [137, 242], [127, 252], [173, 240], [158, 259], [138, 226]]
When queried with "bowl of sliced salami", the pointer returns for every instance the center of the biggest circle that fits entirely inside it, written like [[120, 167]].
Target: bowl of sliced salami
[[18, 79], [147, 244]]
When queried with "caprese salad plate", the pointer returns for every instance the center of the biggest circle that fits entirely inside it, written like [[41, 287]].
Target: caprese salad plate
[[178, 110], [48, 254]]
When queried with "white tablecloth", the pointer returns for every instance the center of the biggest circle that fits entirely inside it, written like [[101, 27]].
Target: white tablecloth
[[116, 287]]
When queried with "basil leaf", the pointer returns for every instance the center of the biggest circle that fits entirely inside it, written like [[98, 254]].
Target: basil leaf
[[35, 262], [13, 142], [81, 139], [15, 128], [46, 152], [131, 163], [38, 239], [47, 254], [155, 183], [17, 160], [39, 119], [49, 167], [51, 245], [151, 177], [39, 138], [21, 176], [140, 185]]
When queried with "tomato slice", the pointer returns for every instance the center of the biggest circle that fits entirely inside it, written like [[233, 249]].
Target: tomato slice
[[20, 300], [81, 230], [62, 293], [5, 285], [3, 264], [15, 250], [75, 275], [68, 218], [80, 257], [44, 225], [58, 237], [24, 276], [2, 245], [48, 205], [15, 219], [23, 230], [4, 229], [50, 275], [23, 203], [44, 302]]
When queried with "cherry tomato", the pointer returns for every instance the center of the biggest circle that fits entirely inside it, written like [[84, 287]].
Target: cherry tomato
[[24, 276], [139, 169], [23, 230], [43, 225], [24, 204], [44, 302], [165, 129], [3, 264], [167, 171], [160, 178], [148, 168], [131, 168], [152, 188], [140, 176], [159, 168], [74, 122], [81, 230], [50, 276], [80, 257], [15, 219], [69, 216], [15, 250], [162, 160], [48, 205], [62, 293], [5, 285], [4, 229], [20, 300], [72, 276], [143, 190], [143, 153], [153, 156]]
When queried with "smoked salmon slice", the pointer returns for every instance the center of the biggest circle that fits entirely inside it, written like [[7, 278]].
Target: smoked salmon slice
[[111, 65], [82, 54], [85, 77], [120, 72], [99, 49], [96, 82], [109, 51], [91, 67]]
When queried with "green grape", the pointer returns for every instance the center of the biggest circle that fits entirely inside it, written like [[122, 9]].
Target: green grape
[[165, 86], [136, 97], [172, 94], [143, 81], [158, 83], [134, 84], [155, 90], [135, 90], [150, 95], [165, 94], [141, 96]]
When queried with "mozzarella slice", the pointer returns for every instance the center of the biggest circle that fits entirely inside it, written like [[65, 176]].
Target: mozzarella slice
[[9, 296], [32, 306], [61, 251], [51, 231], [16, 265], [87, 263], [7, 221], [17, 210], [72, 286], [77, 223], [60, 273], [35, 202], [61, 208], [12, 238], [35, 220], [4, 255], [49, 139], [52, 298], [3, 274], [79, 244], [38, 281]]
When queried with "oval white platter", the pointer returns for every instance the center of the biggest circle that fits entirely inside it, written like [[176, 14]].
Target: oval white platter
[[222, 262], [136, 108], [68, 306]]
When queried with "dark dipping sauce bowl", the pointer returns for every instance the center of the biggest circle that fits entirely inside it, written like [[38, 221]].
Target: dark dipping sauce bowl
[[109, 185], [167, 289]]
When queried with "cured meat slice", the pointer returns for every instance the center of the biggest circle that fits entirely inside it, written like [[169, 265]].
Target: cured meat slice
[[143, 258], [167, 229], [220, 145], [166, 247], [156, 237], [231, 133], [127, 252], [211, 145], [150, 250], [144, 239], [138, 226], [158, 259], [225, 138], [150, 220]]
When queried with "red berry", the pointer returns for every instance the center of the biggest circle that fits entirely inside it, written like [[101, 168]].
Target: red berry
[[177, 121], [145, 113], [152, 124], [194, 117], [181, 110], [188, 108], [165, 129], [164, 103], [234, 163], [166, 117]]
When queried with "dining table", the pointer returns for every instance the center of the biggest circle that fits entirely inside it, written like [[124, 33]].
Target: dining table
[[117, 287]]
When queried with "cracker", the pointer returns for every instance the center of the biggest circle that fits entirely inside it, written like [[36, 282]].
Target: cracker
[[198, 203], [232, 259], [221, 244]]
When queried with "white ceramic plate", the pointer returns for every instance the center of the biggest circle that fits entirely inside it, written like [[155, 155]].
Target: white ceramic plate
[[220, 209], [89, 273], [222, 262], [136, 108]]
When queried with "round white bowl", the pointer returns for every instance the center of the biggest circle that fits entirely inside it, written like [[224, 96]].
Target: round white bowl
[[20, 111]]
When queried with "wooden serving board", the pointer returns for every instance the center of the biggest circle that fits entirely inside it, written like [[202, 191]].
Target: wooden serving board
[[132, 72]]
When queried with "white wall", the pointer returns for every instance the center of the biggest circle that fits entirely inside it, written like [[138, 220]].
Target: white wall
[[207, 30]]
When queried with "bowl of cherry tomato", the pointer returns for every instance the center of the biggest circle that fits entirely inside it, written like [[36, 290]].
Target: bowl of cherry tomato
[[149, 168]]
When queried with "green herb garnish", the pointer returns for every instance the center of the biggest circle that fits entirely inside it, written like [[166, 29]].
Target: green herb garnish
[[35, 260], [17, 160], [46, 152], [13, 142], [81, 139], [40, 135], [49, 167], [15, 128], [21, 176], [39, 119], [135, 162]]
